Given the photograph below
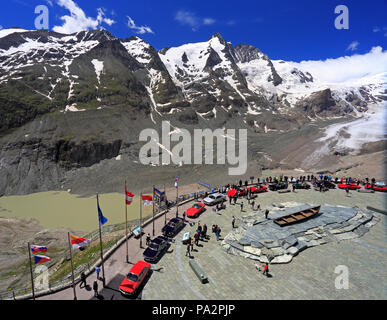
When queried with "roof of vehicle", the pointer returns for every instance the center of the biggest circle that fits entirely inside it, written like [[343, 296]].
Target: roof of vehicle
[[136, 269]]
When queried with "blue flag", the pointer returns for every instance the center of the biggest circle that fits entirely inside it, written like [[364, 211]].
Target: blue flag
[[101, 218]]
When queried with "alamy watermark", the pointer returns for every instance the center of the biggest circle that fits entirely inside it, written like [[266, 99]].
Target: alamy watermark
[[342, 280], [181, 153], [342, 20]]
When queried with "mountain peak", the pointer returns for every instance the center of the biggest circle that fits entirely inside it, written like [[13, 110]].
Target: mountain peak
[[219, 36]]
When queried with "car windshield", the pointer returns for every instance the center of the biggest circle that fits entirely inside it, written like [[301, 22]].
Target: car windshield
[[132, 277], [153, 246], [211, 197], [196, 206]]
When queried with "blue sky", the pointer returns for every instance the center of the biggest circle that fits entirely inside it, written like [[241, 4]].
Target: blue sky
[[291, 30]]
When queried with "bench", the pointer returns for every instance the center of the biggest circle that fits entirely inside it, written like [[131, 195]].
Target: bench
[[198, 271]]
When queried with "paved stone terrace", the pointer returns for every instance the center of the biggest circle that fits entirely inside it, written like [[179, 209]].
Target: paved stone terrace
[[309, 276]]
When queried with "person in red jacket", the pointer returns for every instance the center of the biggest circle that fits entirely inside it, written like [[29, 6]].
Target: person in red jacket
[[266, 269]]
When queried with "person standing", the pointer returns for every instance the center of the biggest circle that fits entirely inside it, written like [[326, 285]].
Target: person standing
[[83, 280], [204, 232], [347, 191], [266, 213], [266, 269], [148, 239], [95, 288], [188, 249], [233, 222], [241, 206], [294, 188], [97, 271], [196, 236], [184, 216]]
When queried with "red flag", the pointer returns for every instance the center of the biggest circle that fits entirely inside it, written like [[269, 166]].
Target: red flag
[[128, 196], [147, 200]]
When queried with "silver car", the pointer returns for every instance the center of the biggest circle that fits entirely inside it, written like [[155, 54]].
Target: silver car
[[214, 198]]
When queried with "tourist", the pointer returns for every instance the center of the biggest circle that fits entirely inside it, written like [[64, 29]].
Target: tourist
[[217, 233], [97, 270], [294, 188], [235, 200], [230, 198], [188, 249], [204, 232], [266, 269], [95, 288], [83, 280], [241, 206], [347, 191], [196, 237], [184, 216], [266, 213], [213, 228], [233, 222], [148, 239], [252, 204], [199, 227]]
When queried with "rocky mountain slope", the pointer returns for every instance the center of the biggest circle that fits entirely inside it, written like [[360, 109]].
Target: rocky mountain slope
[[70, 102]]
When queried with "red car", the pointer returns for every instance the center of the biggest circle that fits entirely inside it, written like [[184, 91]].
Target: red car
[[257, 190], [195, 210], [350, 186], [242, 192], [134, 278], [376, 187]]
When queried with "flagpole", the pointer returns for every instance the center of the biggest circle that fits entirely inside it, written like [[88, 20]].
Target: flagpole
[[141, 220], [72, 266], [165, 201], [32, 277], [100, 243], [153, 204], [177, 199], [126, 227]]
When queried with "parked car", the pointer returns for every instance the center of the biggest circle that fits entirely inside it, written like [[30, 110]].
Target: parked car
[[326, 184], [214, 198], [302, 186], [195, 210], [173, 227], [133, 280], [278, 186], [350, 186], [155, 248], [257, 189], [376, 187]]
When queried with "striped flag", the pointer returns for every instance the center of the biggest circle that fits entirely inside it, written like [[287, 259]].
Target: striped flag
[[147, 200], [78, 242], [36, 249], [128, 196], [41, 259]]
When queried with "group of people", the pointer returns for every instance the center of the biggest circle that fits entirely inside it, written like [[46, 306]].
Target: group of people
[[95, 283], [200, 234]]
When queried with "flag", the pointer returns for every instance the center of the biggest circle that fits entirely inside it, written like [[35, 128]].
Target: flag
[[78, 242], [41, 259], [36, 249], [146, 200], [158, 195], [101, 218], [176, 179], [128, 196]]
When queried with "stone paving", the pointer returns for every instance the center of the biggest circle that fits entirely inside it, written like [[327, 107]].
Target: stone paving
[[311, 274]]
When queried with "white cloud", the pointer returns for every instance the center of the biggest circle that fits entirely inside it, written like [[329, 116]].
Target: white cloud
[[78, 21], [353, 45], [139, 30], [347, 68], [208, 21], [191, 19], [1, 27], [49, 2]]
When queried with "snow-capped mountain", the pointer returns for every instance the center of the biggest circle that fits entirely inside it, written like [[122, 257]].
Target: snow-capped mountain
[[72, 105], [93, 69]]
